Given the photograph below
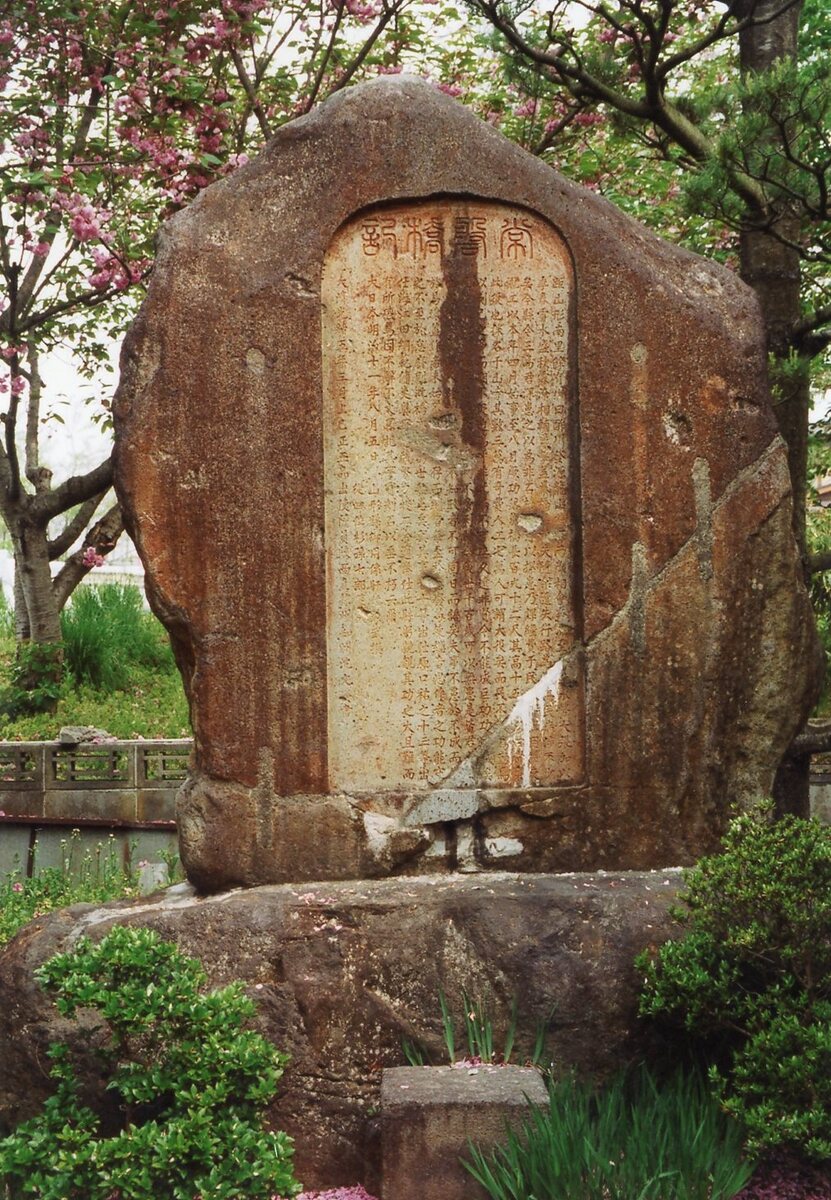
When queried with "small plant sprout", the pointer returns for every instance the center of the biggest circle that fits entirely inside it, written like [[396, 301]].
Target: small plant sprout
[[480, 1039]]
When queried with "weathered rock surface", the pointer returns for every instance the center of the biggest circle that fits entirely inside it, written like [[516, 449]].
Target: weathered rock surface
[[342, 972], [461, 496]]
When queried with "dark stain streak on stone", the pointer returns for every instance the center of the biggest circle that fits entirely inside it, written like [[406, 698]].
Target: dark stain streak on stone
[[461, 356]]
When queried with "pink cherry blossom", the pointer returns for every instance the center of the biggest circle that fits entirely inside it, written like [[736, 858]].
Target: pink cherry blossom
[[91, 557], [345, 1193], [589, 118]]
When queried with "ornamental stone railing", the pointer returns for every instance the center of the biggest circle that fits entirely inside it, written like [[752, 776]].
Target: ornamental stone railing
[[127, 789], [114, 783], [124, 789]]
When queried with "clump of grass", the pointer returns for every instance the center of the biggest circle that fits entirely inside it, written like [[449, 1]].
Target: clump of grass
[[91, 878], [481, 1045], [6, 617], [106, 632], [121, 675], [634, 1140], [152, 705]]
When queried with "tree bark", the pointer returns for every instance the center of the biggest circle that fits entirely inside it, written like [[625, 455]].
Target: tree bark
[[37, 621], [38, 597], [102, 539], [31, 562], [772, 269]]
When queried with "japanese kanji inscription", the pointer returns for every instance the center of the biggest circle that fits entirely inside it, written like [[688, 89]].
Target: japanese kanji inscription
[[449, 541]]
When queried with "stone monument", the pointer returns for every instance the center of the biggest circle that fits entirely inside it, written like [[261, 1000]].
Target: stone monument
[[461, 497]]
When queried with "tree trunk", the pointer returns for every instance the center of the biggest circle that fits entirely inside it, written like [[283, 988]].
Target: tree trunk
[[33, 584], [22, 629], [39, 668], [773, 271]]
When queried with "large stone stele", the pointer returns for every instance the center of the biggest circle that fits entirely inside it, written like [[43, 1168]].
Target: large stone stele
[[461, 496]]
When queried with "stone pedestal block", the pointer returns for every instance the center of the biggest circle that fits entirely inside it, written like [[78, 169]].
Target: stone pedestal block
[[430, 1115]]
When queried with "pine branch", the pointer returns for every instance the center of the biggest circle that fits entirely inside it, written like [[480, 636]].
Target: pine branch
[[817, 563]]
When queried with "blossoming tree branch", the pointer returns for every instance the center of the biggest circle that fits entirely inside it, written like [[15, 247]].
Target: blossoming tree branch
[[114, 115]]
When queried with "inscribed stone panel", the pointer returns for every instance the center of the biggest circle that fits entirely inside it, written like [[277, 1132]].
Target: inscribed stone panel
[[449, 540]]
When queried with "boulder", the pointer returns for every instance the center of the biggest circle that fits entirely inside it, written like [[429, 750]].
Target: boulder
[[342, 973]]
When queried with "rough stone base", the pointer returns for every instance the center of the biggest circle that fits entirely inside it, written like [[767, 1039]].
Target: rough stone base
[[429, 1117], [342, 972], [231, 836]]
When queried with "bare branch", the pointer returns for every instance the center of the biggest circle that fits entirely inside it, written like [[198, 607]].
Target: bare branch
[[578, 81], [37, 265], [74, 490], [324, 62], [74, 528], [753, 22], [38, 476], [251, 93], [550, 136], [102, 538], [716, 33], [656, 107], [89, 298], [808, 336], [359, 59], [13, 486]]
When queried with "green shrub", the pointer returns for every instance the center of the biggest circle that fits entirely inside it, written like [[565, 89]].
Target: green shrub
[[153, 706], [189, 1086], [634, 1140], [36, 680], [106, 632], [751, 978]]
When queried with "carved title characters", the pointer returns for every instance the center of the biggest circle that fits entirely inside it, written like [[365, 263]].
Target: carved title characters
[[418, 237]]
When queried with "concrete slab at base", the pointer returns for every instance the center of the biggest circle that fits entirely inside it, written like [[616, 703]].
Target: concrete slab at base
[[430, 1115]]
